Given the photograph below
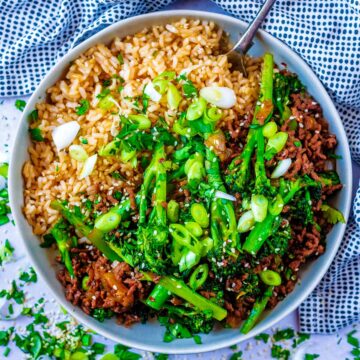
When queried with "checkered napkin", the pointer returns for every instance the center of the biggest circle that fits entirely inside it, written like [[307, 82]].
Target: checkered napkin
[[34, 34]]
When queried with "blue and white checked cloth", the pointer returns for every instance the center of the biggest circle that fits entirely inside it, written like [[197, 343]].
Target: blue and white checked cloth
[[34, 34]]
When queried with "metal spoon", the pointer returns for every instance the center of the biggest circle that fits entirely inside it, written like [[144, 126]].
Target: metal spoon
[[236, 54]]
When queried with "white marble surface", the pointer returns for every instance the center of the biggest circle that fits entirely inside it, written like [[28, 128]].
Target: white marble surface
[[329, 347]]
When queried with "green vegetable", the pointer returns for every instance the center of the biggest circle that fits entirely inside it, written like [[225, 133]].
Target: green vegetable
[[194, 228], [107, 103], [179, 288], [196, 109], [270, 277], [259, 206], [332, 215], [256, 311], [246, 221], [199, 276], [158, 296], [84, 283], [120, 59], [212, 114], [4, 169], [83, 108], [270, 129], [200, 215], [275, 144], [173, 97], [60, 232], [141, 121], [172, 211], [35, 134], [20, 104]]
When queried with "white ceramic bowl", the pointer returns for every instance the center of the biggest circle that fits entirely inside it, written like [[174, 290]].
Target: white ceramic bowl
[[149, 336]]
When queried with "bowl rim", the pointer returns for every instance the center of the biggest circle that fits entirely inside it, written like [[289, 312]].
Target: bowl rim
[[262, 326]]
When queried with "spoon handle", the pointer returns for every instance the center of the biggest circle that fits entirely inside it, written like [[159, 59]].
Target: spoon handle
[[245, 42]]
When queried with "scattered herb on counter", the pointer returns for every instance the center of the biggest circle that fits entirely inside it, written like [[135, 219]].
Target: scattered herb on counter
[[6, 252], [29, 276], [355, 343], [20, 104], [14, 293], [311, 356], [123, 353], [278, 352], [300, 338], [263, 337], [284, 334], [161, 356], [236, 356], [83, 108]]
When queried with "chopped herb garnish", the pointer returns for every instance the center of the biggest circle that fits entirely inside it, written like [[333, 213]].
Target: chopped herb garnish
[[236, 356], [29, 276], [5, 336], [233, 347], [13, 293], [277, 352], [98, 348], [312, 356], [33, 116], [106, 82], [48, 240], [263, 336], [103, 93], [297, 143], [39, 318], [120, 59], [84, 141], [6, 252], [123, 353], [301, 337], [35, 134], [83, 108], [161, 356], [20, 104], [102, 314], [284, 334]]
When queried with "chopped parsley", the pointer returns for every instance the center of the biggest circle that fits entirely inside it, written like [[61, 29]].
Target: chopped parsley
[[103, 94], [33, 116], [102, 314], [284, 334], [236, 356], [6, 252], [188, 87], [277, 352], [311, 356], [83, 108], [84, 141], [5, 336], [263, 337], [354, 342], [123, 353], [106, 83], [120, 59], [301, 337], [29, 277], [161, 356], [297, 143], [145, 102], [14, 293], [35, 134], [20, 104]]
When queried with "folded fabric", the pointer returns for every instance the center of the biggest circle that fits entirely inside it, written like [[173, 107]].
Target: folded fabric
[[325, 33]]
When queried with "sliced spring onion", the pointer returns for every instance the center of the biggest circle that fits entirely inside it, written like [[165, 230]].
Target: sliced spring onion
[[141, 121], [107, 221], [77, 152], [88, 167], [65, 134], [222, 97], [153, 94], [223, 195], [246, 222], [188, 260], [212, 114], [194, 228], [110, 149], [173, 97], [270, 129], [275, 144], [196, 109], [199, 214], [195, 158], [207, 245], [259, 207], [172, 211], [276, 206], [270, 277], [160, 85], [281, 168], [127, 154], [199, 276], [107, 103]]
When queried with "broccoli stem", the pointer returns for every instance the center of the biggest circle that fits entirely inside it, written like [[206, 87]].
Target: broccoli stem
[[223, 220], [179, 288], [158, 296], [263, 230], [266, 90], [62, 241], [256, 311], [95, 236]]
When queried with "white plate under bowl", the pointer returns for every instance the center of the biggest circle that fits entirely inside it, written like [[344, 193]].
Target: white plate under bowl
[[149, 336]]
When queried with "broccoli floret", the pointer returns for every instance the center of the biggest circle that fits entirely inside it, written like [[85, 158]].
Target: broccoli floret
[[330, 178], [101, 314], [277, 243]]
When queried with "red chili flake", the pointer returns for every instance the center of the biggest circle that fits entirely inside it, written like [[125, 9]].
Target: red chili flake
[[161, 160], [151, 298]]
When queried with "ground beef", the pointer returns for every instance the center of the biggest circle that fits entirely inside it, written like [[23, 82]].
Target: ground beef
[[116, 288]]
